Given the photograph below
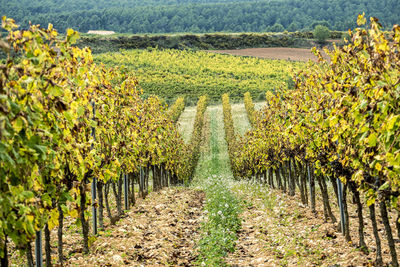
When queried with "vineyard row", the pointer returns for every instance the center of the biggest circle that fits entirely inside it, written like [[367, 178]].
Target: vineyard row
[[67, 123], [339, 125]]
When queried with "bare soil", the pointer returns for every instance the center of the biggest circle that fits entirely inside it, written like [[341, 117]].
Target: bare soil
[[162, 230], [278, 230], [295, 54]]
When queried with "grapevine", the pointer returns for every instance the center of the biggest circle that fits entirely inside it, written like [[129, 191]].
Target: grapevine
[[66, 122], [340, 122]]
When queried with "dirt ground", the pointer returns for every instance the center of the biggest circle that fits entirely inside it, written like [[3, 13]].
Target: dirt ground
[[278, 230], [160, 231], [296, 54]]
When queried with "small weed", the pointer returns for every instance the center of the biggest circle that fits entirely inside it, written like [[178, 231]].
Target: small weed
[[108, 233]]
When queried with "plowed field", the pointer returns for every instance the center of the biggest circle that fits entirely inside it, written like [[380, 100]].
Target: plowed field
[[296, 54]]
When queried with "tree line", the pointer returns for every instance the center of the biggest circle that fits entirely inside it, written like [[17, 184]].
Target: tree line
[[153, 16]]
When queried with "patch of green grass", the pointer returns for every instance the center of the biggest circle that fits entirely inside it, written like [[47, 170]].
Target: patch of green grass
[[108, 233], [222, 209], [256, 191], [219, 231]]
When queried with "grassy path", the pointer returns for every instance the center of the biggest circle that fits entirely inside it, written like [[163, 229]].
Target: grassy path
[[214, 159], [186, 121], [222, 208]]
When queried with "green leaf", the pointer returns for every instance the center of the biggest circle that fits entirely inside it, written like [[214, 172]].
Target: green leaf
[[68, 116], [80, 111], [41, 150], [372, 139], [27, 195], [391, 123], [56, 91], [385, 186], [18, 124]]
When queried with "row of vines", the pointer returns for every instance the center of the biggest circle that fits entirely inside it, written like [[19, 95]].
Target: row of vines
[[196, 138], [230, 135], [176, 109], [67, 123], [339, 126]]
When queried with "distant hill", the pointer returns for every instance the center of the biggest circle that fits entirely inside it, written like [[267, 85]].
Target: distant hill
[[169, 16]]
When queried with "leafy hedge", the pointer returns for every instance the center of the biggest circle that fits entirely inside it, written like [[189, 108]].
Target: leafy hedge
[[100, 44]]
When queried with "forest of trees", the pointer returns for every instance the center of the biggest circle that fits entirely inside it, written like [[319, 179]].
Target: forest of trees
[[168, 16]]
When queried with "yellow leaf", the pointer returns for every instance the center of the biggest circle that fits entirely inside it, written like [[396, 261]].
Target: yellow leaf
[[370, 201], [74, 213], [30, 218], [378, 166], [36, 52], [70, 32], [53, 220], [391, 122], [361, 20]]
